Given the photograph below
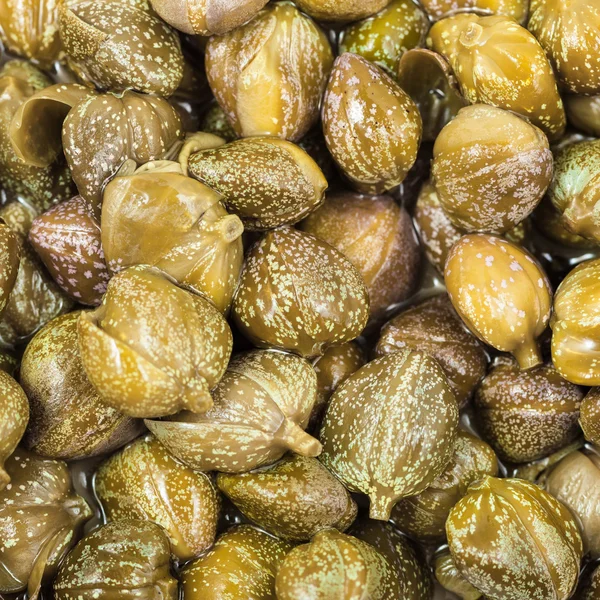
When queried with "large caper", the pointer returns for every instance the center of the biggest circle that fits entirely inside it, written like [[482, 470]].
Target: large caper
[[14, 416], [584, 113]]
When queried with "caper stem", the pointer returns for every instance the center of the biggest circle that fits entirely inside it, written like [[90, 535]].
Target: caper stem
[[528, 355], [296, 439], [381, 506]]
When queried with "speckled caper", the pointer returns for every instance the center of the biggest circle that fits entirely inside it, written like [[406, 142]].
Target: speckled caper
[[29, 28], [511, 539], [67, 239], [293, 499], [404, 397], [527, 415], [68, 418], [10, 254], [341, 10], [498, 62], [124, 558], [531, 471], [14, 416], [490, 169], [433, 326], [575, 481], [372, 128], [451, 579], [151, 348], [437, 9], [334, 566], [260, 409], [40, 520], [315, 298], [120, 45], [215, 122], [413, 575], [575, 336], [206, 18], [8, 362], [570, 35], [419, 72], [423, 516], [575, 188], [501, 293], [385, 36], [143, 482], [332, 369], [40, 186], [242, 564], [589, 416], [99, 132], [378, 237], [266, 181], [583, 112], [269, 75], [158, 216]]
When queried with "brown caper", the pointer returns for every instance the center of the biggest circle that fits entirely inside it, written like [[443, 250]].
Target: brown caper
[[292, 499], [501, 293], [68, 418], [378, 237], [269, 75], [151, 348], [372, 127], [143, 482], [260, 409], [10, 253], [527, 415], [404, 397], [433, 326], [41, 518], [498, 62], [423, 516], [451, 579], [511, 539], [589, 416], [124, 558], [315, 297], [584, 113], [14, 416]]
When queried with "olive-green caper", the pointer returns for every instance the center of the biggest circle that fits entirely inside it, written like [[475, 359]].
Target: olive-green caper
[[438, 9], [10, 252], [511, 539], [269, 75], [589, 416], [341, 10], [501, 293], [404, 397], [215, 122], [14, 416], [583, 112], [451, 579], [372, 128]]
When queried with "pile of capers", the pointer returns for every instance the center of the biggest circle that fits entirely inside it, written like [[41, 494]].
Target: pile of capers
[[300, 300]]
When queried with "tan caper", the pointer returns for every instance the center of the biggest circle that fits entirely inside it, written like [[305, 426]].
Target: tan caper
[[341, 10], [589, 416], [501, 293]]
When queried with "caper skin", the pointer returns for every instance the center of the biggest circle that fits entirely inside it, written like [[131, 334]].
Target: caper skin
[[501, 293], [584, 113], [511, 539], [450, 578], [591, 589], [341, 10], [372, 127], [527, 415], [490, 169], [438, 9], [121, 559], [10, 251], [589, 418], [14, 416]]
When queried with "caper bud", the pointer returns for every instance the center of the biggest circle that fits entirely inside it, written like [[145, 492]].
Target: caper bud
[[385, 36], [215, 122], [591, 589], [378, 237], [498, 62], [266, 181], [372, 128], [490, 169], [451, 579], [575, 481], [315, 298], [67, 239], [404, 397], [68, 418], [423, 516], [589, 417], [121, 559], [341, 10], [143, 482], [269, 75], [260, 409], [569, 34], [501, 293], [151, 348], [206, 18], [511, 539], [10, 252], [120, 45], [434, 327], [14, 416], [41, 518], [575, 339], [584, 113], [242, 564], [437, 9], [321, 570]]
